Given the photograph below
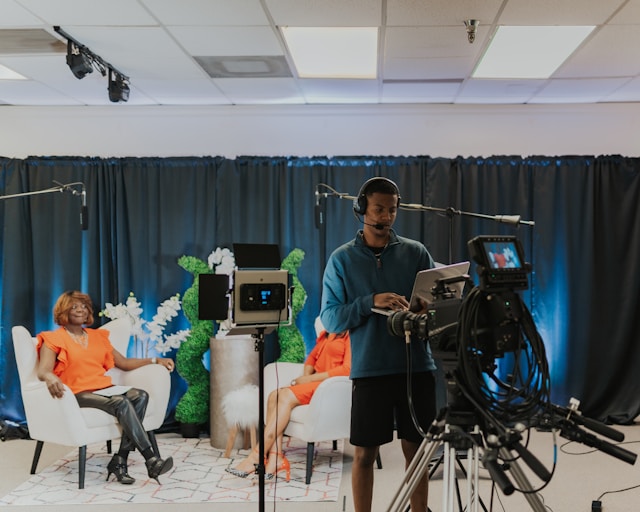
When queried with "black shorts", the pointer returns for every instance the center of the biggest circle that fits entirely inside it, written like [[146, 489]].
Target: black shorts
[[380, 405]]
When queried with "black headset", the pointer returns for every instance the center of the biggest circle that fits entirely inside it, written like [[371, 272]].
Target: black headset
[[360, 202]]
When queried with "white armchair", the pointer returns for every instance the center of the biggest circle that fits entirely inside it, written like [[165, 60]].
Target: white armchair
[[326, 418], [61, 420]]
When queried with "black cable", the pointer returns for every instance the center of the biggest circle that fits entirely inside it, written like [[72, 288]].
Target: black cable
[[478, 339]]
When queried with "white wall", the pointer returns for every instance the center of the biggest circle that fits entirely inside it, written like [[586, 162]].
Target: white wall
[[302, 130]]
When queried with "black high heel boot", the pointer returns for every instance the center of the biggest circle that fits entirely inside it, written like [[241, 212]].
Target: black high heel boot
[[157, 466], [118, 466]]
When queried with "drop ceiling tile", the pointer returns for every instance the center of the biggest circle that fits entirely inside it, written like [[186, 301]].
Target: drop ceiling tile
[[578, 91], [208, 12], [260, 90], [441, 12], [438, 92], [629, 14], [566, 12], [68, 13], [326, 13], [510, 91], [177, 91], [238, 41], [21, 92], [340, 91], [612, 51], [629, 91], [14, 14]]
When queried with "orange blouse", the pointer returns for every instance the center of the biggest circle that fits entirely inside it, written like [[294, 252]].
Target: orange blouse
[[332, 354], [80, 368]]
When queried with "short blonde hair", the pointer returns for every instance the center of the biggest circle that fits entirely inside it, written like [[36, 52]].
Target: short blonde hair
[[64, 303]]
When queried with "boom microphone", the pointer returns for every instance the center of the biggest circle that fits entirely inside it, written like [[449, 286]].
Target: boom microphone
[[318, 209], [84, 214]]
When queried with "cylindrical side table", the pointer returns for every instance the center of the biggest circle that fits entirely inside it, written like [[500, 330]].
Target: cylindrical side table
[[234, 363]]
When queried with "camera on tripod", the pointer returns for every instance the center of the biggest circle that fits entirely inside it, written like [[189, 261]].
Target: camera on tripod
[[439, 322]]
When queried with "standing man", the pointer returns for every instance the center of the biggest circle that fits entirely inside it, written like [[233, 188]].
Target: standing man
[[378, 269]]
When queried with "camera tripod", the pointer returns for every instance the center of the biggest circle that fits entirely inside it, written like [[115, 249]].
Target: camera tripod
[[454, 432]]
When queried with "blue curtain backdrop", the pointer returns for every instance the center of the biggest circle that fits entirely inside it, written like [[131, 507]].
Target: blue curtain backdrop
[[144, 213]]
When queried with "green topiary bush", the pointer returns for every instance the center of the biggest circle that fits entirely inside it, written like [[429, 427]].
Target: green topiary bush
[[193, 407], [292, 347]]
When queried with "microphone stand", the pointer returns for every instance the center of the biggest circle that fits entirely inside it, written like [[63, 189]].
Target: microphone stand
[[62, 187], [449, 212]]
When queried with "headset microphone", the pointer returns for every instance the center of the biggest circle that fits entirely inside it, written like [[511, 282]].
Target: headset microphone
[[377, 226]]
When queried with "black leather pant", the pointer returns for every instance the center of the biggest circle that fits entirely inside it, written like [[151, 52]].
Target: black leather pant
[[129, 409]]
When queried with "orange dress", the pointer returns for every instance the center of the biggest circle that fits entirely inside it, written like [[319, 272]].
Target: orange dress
[[331, 354], [80, 368]]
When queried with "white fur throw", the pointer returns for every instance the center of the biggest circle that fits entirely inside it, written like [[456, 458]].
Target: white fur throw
[[240, 406]]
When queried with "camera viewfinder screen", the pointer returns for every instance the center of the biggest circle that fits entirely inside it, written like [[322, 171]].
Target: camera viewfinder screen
[[502, 255]]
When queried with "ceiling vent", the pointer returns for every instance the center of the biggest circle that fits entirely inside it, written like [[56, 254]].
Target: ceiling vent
[[270, 66]]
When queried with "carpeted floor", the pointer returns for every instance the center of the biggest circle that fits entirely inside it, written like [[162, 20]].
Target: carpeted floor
[[198, 476]]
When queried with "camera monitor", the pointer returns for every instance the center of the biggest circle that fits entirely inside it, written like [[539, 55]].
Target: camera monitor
[[501, 262]]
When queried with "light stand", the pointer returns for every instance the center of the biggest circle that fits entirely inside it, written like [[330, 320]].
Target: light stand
[[258, 332], [259, 347]]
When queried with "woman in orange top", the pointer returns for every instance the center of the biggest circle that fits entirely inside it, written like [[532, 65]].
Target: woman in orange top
[[330, 357], [78, 357]]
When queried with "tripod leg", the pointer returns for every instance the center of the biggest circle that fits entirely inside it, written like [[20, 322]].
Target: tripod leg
[[414, 473], [523, 483], [448, 477]]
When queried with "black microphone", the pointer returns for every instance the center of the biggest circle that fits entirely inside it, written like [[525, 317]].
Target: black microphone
[[84, 214], [318, 209]]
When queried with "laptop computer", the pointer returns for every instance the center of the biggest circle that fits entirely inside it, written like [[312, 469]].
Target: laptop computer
[[426, 281]]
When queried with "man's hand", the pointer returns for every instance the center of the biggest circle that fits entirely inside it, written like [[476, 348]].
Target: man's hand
[[391, 301]]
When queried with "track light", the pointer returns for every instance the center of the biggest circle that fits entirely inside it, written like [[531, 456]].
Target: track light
[[118, 87], [81, 61], [78, 62]]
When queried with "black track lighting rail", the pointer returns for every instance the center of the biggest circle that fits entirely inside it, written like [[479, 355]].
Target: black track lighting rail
[[103, 65]]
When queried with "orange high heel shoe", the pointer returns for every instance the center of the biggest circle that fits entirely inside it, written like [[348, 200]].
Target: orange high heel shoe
[[243, 474], [284, 466]]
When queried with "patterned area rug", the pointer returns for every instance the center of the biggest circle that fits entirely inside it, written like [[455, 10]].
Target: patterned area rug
[[198, 476]]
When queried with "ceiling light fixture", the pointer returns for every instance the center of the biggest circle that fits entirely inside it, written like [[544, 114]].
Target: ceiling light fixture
[[79, 63], [529, 52], [118, 87], [81, 60]]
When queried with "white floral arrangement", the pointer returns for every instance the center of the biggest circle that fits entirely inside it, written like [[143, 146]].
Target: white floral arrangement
[[149, 334], [221, 261]]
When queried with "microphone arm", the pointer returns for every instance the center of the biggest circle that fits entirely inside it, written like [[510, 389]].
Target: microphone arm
[[62, 187], [513, 220], [450, 212]]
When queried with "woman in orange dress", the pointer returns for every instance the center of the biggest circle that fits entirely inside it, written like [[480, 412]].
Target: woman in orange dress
[[79, 357], [330, 357]]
